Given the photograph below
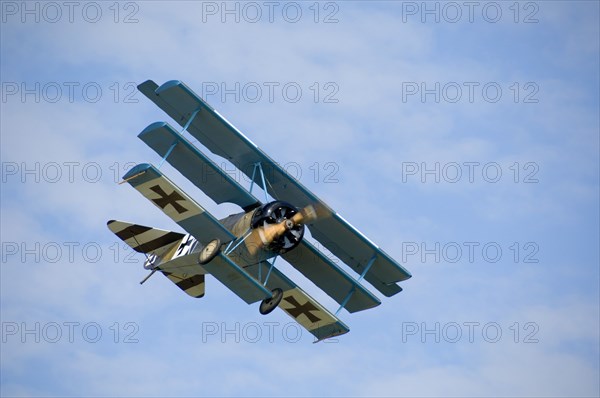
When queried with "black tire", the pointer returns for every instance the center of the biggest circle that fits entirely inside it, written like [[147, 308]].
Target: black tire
[[269, 304], [209, 251]]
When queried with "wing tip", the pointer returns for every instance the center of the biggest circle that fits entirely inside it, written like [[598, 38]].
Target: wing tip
[[113, 225], [168, 84], [153, 126], [137, 170], [340, 332]]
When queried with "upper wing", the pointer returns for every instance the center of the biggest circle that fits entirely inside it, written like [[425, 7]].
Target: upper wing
[[223, 139]]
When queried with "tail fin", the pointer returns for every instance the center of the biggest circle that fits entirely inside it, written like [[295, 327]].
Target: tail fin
[[160, 246]]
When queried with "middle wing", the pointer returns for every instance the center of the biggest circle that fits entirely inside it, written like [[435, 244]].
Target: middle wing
[[196, 167]]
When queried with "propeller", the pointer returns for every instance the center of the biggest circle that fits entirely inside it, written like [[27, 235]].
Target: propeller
[[289, 229]]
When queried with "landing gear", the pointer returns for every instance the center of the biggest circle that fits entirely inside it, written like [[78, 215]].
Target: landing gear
[[269, 304], [210, 251]]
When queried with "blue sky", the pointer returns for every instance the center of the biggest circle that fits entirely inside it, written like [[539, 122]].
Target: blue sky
[[504, 299]]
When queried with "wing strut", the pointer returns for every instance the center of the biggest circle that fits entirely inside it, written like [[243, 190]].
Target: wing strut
[[272, 265], [258, 166], [167, 154], [353, 288], [236, 242], [190, 120], [187, 124]]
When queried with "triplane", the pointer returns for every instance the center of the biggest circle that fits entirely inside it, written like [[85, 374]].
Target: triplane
[[240, 250]]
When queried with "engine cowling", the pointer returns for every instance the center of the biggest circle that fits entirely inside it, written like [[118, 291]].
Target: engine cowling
[[275, 213]]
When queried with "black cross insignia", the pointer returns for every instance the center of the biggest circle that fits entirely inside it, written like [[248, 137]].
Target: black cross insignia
[[186, 246], [170, 199], [302, 309]]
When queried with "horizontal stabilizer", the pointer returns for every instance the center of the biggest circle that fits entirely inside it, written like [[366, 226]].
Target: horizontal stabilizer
[[143, 239], [193, 285], [162, 244]]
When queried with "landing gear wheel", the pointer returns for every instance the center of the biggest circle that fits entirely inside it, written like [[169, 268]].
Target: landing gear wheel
[[269, 304], [210, 251]]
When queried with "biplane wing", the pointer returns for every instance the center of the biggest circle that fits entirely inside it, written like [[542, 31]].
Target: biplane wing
[[222, 138], [221, 187], [245, 282], [330, 278], [299, 305], [195, 166]]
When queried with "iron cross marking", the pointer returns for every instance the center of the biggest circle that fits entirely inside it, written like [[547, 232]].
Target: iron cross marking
[[170, 199], [302, 309], [186, 246]]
